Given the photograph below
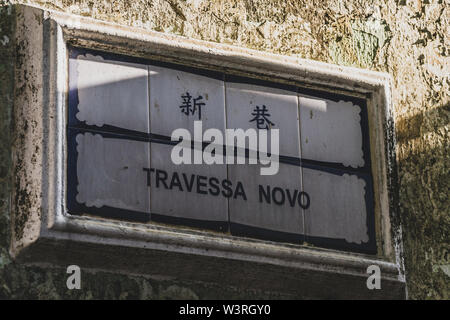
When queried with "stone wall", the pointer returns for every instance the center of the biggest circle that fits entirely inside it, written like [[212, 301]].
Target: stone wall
[[409, 39]]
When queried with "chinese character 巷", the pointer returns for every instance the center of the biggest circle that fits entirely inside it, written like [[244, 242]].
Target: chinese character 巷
[[261, 118], [190, 106]]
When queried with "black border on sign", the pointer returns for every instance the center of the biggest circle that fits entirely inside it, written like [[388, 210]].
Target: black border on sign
[[221, 226], [242, 230], [74, 125]]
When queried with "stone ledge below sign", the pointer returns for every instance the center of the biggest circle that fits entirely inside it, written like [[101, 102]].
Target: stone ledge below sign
[[243, 263]]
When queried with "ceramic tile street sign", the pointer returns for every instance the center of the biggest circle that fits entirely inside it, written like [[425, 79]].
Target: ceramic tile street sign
[[121, 115]]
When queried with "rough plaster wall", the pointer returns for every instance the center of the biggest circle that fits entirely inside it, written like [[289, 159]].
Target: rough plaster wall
[[407, 38]]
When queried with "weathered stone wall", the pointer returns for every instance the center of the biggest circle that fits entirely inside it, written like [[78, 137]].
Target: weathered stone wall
[[409, 39]]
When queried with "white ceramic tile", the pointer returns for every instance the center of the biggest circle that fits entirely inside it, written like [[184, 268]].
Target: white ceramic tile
[[331, 131], [167, 88], [110, 172], [111, 92], [242, 100], [338, 206], [173, 201], [256, 211]]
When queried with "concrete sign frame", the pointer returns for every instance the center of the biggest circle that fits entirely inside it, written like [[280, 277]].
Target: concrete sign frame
[[43, 231]]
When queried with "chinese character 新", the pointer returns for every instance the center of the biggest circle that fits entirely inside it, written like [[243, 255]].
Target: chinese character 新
[[190, 106]]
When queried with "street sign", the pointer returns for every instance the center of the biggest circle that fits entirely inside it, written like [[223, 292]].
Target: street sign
[[123, 111]]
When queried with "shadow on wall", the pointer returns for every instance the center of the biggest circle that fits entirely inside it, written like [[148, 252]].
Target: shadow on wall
[[424, 184]]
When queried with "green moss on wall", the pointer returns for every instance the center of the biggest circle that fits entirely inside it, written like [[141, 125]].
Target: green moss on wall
[[407, 39], [45, 282]]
